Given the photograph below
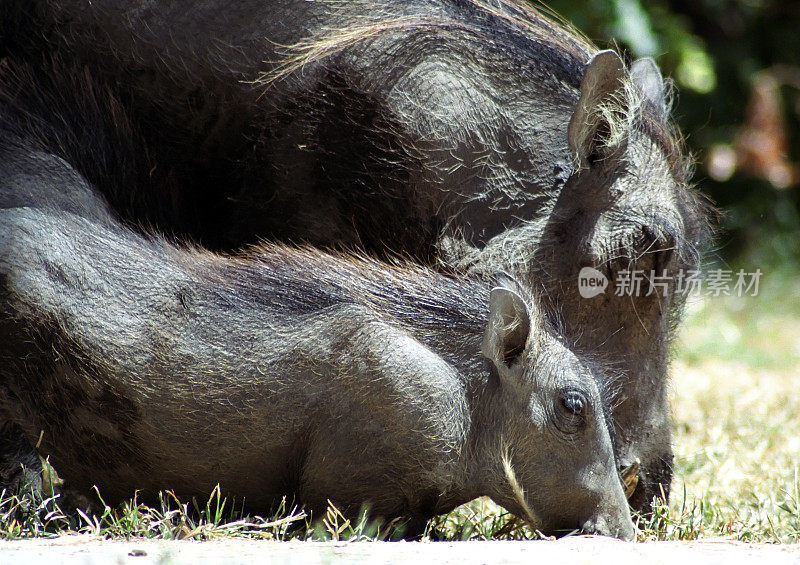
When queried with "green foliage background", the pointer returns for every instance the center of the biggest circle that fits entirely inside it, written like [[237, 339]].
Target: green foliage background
[[715, 51]]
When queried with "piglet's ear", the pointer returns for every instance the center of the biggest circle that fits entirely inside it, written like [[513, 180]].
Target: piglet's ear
[[507, 331], [645, 75], [601, 86]]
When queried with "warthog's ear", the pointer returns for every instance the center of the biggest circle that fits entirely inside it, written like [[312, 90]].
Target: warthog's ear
[[507, 331], [593, 124], [503, 280], [645, 75]]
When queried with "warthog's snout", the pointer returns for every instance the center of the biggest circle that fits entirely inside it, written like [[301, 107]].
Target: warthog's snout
[[621, 529]]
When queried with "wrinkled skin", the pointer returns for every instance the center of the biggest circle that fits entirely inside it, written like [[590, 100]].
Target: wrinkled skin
[[137, 365], [417, 136]]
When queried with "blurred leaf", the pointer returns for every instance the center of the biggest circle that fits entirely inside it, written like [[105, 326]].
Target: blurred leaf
[[696, 70], [634, 28]]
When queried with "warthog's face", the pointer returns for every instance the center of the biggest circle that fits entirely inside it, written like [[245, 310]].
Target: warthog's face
[[627, 213], [627, 224], [626, 217], [556, 454]]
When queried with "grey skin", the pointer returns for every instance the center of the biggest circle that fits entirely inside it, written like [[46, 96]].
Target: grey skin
[[294, 373], [465, 134]]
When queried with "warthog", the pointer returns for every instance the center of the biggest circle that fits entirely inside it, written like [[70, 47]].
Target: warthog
[[341, 379], [471, 134], [137, 364]]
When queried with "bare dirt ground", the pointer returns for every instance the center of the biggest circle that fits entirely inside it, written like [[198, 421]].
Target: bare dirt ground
[[88, 550]]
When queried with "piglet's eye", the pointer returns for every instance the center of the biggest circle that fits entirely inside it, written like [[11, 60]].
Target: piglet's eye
[[574, 403]]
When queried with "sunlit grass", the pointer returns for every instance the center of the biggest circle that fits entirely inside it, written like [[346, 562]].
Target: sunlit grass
[[736, 409], [27, 517], [759, 332]]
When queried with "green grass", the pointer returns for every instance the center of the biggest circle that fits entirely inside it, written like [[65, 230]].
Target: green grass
[[736, 406], [760, 332], [737, 416]]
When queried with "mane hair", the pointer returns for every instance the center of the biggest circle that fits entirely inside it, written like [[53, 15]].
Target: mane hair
[[511, 27], [522, 23]]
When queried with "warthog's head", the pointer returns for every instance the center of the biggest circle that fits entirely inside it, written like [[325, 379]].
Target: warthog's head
[[550, 427], [628, 212], [626, 215]]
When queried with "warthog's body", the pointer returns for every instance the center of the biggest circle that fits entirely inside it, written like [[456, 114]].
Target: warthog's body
[[452, 131], [341, 380]]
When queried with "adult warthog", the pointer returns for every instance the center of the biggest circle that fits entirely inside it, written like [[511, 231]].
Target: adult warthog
[[466, 133], [136, 364]]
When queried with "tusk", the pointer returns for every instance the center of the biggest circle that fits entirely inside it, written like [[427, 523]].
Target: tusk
[[630, 478]]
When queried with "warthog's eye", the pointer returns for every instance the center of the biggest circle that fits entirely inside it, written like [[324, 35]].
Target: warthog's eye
[[572, 411], [573, 402]]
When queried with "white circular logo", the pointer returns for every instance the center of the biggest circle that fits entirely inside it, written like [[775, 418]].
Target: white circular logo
[[591, 282]]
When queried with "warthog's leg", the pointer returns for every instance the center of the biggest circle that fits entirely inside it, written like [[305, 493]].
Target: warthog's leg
[[20, 467]]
